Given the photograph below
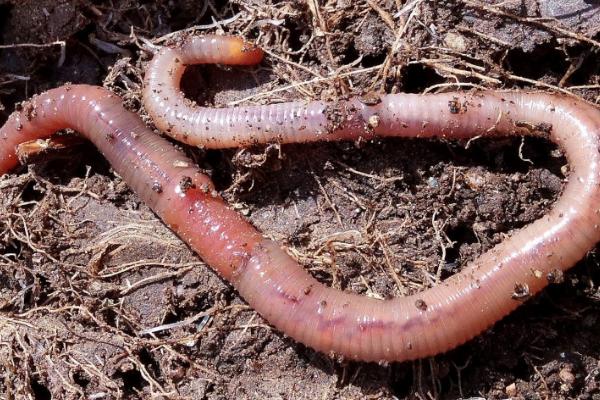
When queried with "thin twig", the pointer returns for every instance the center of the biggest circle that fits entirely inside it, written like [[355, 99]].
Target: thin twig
[[532, 21]]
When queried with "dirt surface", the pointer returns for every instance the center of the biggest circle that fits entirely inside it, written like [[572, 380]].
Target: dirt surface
[[99, 300]]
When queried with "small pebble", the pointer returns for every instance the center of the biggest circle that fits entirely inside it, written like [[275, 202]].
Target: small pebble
[[566, 376], [511, 390], [432, 182]]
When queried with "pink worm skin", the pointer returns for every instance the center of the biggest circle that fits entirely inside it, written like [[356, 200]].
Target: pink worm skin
[[325, 319]]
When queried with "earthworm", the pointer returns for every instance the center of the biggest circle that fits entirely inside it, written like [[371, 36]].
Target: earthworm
[[462, 306], [276, 286]]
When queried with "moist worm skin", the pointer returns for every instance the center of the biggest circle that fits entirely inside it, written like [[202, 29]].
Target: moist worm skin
[[162, 176], [325, 319], [439, 318]]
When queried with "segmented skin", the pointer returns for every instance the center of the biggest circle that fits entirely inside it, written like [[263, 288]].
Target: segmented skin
[[325, 319]]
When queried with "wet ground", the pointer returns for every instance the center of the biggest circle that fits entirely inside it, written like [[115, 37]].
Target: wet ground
[[87, 268]]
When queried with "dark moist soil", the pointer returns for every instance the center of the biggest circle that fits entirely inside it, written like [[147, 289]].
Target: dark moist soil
[[86, 268]]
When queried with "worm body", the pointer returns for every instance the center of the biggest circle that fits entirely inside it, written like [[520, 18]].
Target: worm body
[[325, 319], [163, 177]]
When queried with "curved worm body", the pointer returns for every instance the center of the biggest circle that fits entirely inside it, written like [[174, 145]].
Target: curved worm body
[[325, 319]]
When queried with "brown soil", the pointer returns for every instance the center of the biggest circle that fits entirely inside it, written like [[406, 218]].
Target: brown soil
[[86, 267]]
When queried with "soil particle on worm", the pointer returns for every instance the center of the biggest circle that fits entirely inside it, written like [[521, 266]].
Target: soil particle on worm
[[97, 296]]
